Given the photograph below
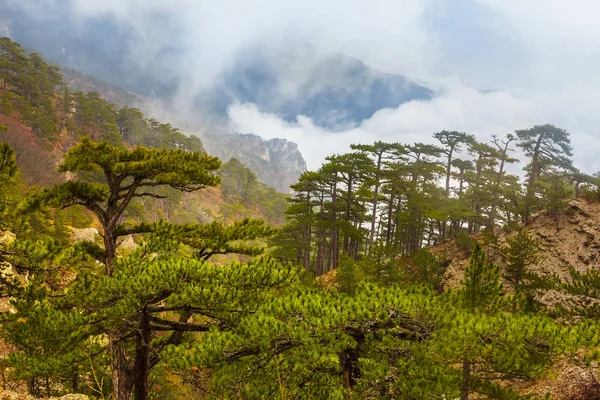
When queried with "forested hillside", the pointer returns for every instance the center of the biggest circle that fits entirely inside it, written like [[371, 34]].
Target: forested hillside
[[401, 271], [44, 118]]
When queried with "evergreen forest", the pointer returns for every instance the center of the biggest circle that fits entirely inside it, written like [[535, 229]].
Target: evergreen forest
[[198, 281]]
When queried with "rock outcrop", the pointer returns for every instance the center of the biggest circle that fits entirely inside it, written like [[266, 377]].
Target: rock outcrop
[[572, 242], [276, 162]]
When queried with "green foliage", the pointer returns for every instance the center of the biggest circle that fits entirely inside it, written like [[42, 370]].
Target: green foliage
[[555, 192], [49, 340], [207, 240], [8, 163], [27, 88], [482, 287], [240, 186], [465, 242], [9, 184], [133, 297], [311, 344], [395, 189], [348, 276], [520, 252], [549, 149], [425, 268], [165, 313], [493, 350]]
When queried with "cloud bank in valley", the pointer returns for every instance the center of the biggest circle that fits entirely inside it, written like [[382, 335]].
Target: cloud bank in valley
[[496, 65]]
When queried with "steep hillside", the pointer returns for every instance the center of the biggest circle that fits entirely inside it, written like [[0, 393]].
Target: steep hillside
[[571, 242], [276, 162], [40, 119], [78, 81], [38, 161]]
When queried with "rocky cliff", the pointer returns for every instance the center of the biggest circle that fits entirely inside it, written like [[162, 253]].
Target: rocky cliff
[[277, 162]]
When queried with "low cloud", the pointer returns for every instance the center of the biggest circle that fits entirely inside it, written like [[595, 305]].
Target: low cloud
[[497, 65], [458, 108]]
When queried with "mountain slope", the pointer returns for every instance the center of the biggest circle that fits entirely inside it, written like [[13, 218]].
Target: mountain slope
[[575, 244], [293, 78], [288, 78], [277, 162]]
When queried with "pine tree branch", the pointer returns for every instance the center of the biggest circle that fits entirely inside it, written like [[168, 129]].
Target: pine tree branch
[[166, 325], [147, 194]]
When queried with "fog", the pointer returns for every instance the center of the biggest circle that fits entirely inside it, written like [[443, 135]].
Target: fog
[[495, 65]]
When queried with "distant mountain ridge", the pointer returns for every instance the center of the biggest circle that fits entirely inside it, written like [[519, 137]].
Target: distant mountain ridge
[[295, 78], [277, 161], [287, 78]]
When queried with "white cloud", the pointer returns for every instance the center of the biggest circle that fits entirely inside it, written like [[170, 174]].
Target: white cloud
[[540, 56], [463, 109], [459, 109], [215, 31]]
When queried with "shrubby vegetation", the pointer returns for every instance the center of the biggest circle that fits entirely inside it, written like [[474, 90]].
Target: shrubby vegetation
[[163, 320]]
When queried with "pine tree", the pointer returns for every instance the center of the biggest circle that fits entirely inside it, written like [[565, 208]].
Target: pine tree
[[495, 350], [554, 191], [49, 340], [313, 344], [482, 286], [110, 177], [382, 152], [126, 174], [502, 147], [9, 184], [549, 149], [520, 252], [490, 345]]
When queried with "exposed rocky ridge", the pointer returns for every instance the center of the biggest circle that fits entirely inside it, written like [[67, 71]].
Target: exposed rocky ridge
[[277, 162], [575, 244]]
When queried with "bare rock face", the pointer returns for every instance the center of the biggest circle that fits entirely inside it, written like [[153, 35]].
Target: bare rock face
[[84, 235], [7, 237], [276, 162], [575, 244], [127, 244]]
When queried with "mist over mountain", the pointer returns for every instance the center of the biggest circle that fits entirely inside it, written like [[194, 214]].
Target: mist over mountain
[[295, 78], [285, 77], [101, 46]]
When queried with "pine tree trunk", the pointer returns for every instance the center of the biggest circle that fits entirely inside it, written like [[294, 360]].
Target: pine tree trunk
[[32, 387], [334, 231], [75, 381], [306, 260], [388, 237], [466, 382], [348, 207], [350, 367], [533, 174], [110, 250], [141, 368], [375, 199], [122, 382]]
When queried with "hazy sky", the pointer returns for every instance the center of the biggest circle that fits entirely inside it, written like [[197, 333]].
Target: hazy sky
[[498, 65]]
